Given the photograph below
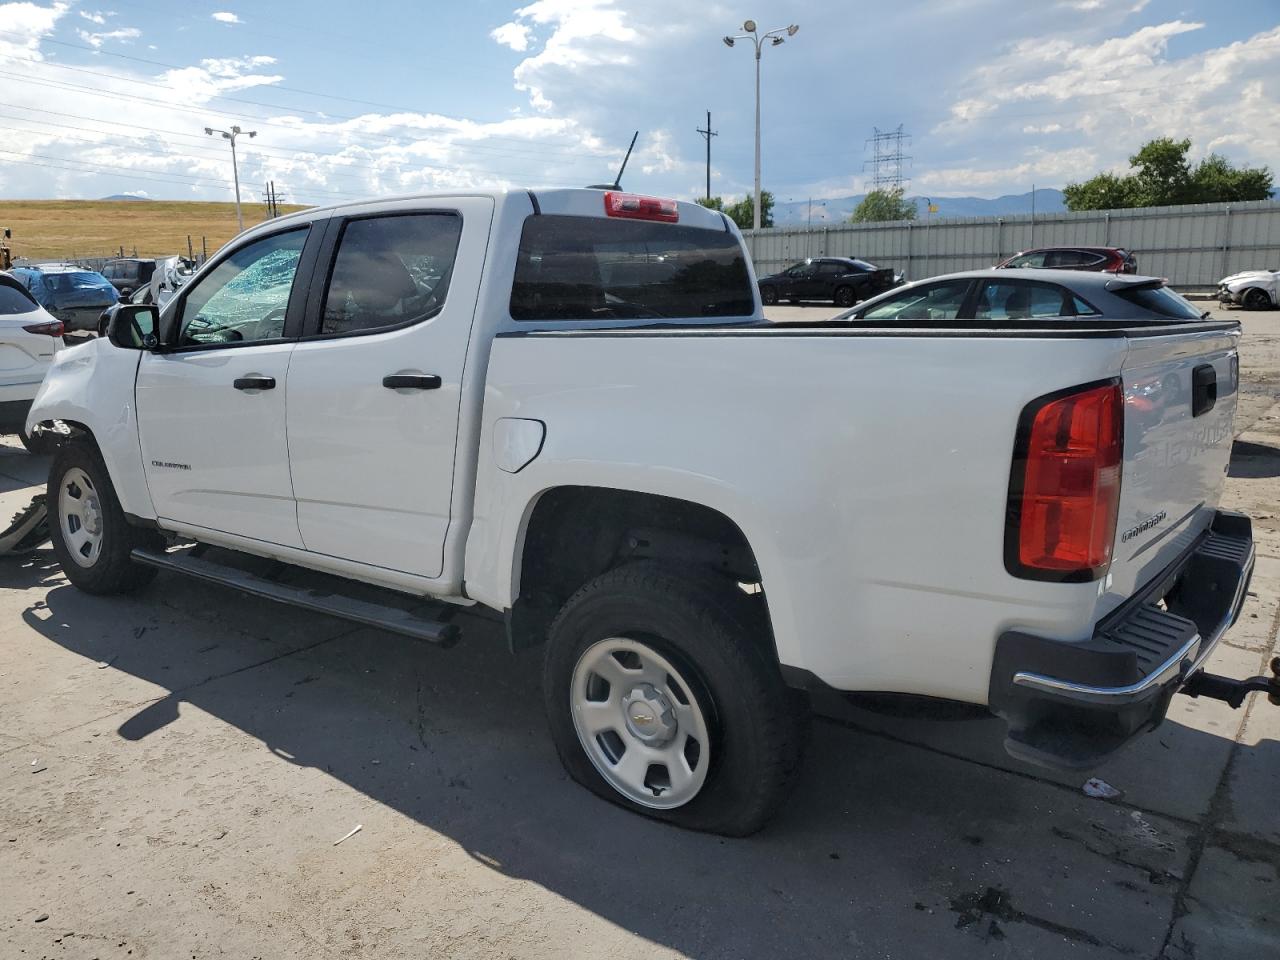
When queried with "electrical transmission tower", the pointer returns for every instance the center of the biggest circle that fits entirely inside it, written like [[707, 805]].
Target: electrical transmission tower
[[887, 159]]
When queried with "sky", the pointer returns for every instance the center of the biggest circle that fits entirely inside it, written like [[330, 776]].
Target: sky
[[395, 96]]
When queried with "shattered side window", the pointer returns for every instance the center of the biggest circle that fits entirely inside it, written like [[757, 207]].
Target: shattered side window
[[245, 297]]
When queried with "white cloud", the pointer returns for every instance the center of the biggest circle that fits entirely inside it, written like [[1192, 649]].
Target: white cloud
[[585, 34], [96, 40], [24, 25], [1116, 93], [513, 35], [96, 16], [226, 16]]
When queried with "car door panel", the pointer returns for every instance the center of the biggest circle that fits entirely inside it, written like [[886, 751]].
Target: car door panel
[[211, 408], [372, 464]]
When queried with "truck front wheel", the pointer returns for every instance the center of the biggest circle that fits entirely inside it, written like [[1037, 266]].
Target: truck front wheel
[[91, 538], [662, 698]]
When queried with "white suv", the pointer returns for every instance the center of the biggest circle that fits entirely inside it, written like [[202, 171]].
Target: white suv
[[29, 338]]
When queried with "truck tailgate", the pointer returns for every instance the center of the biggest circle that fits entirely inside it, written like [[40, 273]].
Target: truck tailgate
[[1180, 400]]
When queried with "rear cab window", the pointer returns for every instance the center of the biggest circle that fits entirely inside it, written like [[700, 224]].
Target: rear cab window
[[592, 268]]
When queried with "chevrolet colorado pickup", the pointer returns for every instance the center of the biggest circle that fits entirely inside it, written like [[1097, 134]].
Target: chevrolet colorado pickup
[[567, 406]]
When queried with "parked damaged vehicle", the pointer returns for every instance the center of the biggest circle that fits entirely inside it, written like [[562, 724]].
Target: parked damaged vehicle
[[1252, 289]]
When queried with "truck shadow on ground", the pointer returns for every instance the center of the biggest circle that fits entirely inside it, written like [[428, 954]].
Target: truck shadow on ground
[[895, 842]]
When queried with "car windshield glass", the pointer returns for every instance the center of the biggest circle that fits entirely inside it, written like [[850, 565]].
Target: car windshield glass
[[14, 300], [71, 289], [863, 265], [1159, 300], [591, 268]]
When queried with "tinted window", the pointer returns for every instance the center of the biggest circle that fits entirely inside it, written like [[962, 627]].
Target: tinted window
[[863, 265], [1159, 300], [244, 297], [111, 271], [829, 269], [591, 268], [1076, 259], [13, 299], [999, 300], [800, 270], [934, 301], [391, 271], [1084, 309], [1027, 260]]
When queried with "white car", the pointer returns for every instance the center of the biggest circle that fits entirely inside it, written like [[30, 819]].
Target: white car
[[1252, 289], [29, 338], [567, 406]]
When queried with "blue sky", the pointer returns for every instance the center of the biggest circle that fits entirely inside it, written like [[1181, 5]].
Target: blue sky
[[392, 97]]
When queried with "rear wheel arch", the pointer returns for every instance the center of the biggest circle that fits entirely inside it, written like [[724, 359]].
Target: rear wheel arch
[[574, 534]]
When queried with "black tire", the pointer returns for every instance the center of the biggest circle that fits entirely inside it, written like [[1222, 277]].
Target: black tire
[[40, 445], [715, 637], [845, 297], [769, 296], [112, 571], [1256, 299]]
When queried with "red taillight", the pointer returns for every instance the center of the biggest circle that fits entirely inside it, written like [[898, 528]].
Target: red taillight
[[632, 206], [53, 328], [1064, 492]]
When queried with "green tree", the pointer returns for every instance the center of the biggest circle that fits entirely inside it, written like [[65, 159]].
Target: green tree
[[880, 205], [742, 211], [1162, 176]]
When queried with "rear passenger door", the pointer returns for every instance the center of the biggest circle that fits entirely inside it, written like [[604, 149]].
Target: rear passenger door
[[375, 383]]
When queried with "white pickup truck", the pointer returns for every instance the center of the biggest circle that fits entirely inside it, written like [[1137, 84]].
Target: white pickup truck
[[567, 406]]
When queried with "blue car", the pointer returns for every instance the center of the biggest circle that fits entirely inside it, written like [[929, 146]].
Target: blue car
[[74, 295]]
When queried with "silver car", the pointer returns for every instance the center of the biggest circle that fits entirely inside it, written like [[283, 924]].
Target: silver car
[[996, 297]]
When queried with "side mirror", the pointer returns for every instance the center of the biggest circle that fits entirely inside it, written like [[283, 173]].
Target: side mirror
[[133, 326]]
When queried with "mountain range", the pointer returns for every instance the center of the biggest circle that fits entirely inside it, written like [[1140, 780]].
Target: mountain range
[[794, 213]]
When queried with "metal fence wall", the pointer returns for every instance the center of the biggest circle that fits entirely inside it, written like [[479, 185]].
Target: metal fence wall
[[1193, 246]]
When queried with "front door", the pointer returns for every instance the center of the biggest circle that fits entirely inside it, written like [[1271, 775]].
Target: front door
[[211, 408], [375, 383]]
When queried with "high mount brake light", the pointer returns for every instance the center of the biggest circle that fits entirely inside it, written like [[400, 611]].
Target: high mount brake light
[[1064, 490], [53, 328], [632, 206]]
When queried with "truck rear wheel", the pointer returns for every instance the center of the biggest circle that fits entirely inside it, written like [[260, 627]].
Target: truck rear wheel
[[91, 538], [662, 699]]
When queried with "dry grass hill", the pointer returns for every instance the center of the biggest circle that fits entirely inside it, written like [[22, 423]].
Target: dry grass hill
[[57, 229]]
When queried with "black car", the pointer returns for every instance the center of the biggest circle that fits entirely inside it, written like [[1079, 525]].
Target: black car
[[843, 280], [129, 273]]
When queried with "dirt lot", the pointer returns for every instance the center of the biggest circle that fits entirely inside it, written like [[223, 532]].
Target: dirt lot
[[175, 769]]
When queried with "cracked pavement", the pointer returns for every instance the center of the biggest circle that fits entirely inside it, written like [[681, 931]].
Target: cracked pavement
[[176, 767]]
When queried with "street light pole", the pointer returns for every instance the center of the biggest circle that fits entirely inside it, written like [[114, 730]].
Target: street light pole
[[758, 39], [230, 135]]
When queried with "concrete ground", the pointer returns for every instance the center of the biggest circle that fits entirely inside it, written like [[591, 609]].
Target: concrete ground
[[176, 767]]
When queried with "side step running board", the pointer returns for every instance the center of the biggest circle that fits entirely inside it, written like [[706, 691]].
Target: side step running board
[[347, 608]]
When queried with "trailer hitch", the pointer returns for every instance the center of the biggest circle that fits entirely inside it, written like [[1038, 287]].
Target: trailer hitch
[[1231, 691]]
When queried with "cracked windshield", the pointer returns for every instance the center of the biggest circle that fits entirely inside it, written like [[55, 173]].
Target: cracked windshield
[[245, 297]]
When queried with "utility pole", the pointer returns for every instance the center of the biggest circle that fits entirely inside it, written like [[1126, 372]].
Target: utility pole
[[707, 134]]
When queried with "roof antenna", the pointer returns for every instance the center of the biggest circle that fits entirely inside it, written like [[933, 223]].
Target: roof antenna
[[617, 181]]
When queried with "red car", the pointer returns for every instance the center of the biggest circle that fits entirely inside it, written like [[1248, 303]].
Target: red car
[[1101, 259]]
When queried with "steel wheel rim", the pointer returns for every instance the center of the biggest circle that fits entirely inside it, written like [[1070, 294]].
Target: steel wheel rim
[[80, 517], [640, 723]]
